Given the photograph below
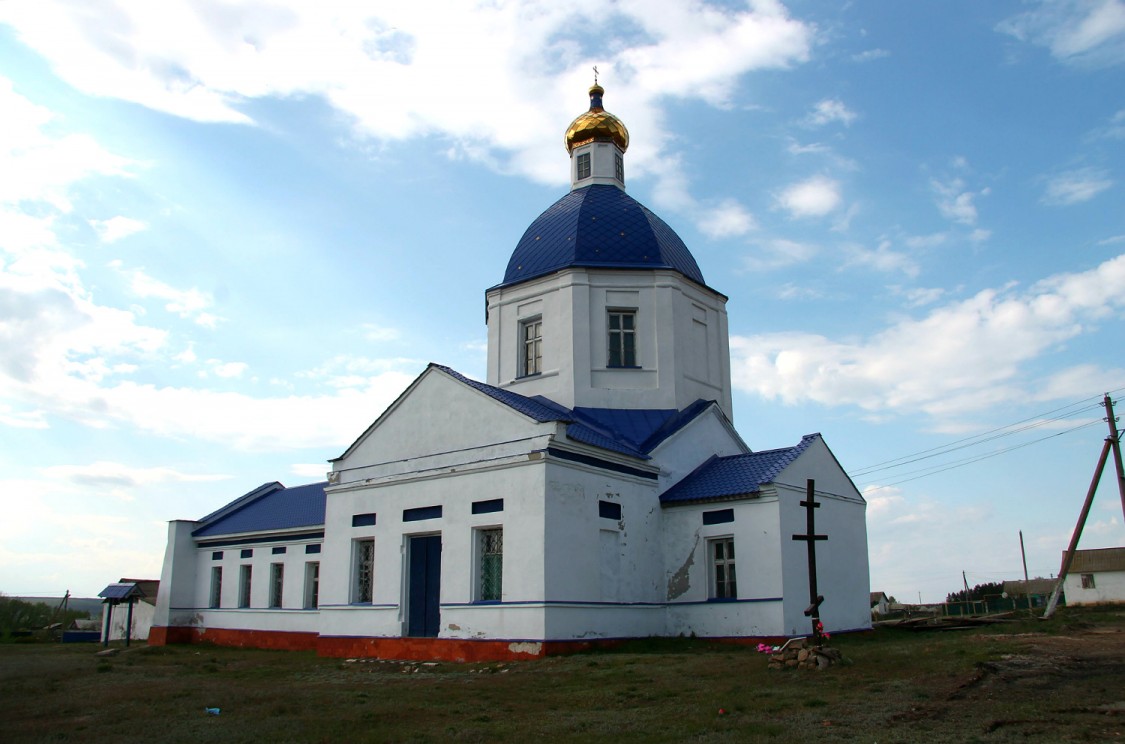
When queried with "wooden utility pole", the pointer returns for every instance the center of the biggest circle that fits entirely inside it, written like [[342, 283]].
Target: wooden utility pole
[[1112, 444], [1023, 554]]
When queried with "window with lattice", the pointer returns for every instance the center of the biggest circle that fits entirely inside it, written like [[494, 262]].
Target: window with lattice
[[622, 332], [532, 338], [277, 581], [491, 545], [363, 571]]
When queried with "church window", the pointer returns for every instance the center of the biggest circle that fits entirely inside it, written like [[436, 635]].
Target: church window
[[277, 582], [216, 587], [620, 168], [609, 510], [583, 166], [491, 546], [531, 338], [244, 582], [363, 571], [312, 585], [1087, 581], [723, 584], [622, 338]]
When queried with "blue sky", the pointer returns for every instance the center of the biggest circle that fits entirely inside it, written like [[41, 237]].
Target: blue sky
[[231, 233]]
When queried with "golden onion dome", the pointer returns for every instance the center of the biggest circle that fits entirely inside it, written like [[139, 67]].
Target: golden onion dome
[[596, 124]]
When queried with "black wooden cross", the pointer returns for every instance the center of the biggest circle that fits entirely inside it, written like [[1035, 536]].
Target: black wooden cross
[[810, 537]]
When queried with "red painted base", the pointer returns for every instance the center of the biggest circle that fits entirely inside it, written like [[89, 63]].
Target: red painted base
[[409, 649], [412, 649]]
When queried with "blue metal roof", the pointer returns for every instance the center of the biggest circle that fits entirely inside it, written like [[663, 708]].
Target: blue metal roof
[[121, 591], [634, 432], [269, 507], [599, 226], [736, 475]]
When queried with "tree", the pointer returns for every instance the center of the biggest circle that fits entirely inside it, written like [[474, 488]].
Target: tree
[[978, 592]]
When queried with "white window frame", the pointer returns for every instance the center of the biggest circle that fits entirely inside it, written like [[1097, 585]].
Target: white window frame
[[277, 585], [482, 540], [531, 347], [617, 337], [216, 588], [1088, 581], [245, 584], [363, 570], [727, 586], [312, 585]]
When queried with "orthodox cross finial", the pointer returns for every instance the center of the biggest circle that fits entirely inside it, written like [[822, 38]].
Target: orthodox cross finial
[[595, 74]]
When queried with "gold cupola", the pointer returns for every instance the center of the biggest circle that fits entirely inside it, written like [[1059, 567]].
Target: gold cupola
[[596, 125]]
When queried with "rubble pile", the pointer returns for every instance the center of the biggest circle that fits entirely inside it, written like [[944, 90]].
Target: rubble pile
[[798, 653]]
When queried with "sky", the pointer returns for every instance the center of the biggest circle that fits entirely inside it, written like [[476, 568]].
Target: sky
[[231, 233]]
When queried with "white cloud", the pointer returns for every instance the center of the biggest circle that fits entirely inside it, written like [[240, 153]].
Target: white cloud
[[1076, 186], [881, 258], [118, 475], [35, 166], [814, 197], [310, 470], [186, 303], [828, 111], [1090, 32], [959, 357], [778, 253], [728, 219], [227, 370], [870, 54], [920, 296], [117, 228], [203, 61], [955, 201], [373, 332]]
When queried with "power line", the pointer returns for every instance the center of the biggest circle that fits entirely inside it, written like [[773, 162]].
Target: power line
[[970, 460], [1031, 422]]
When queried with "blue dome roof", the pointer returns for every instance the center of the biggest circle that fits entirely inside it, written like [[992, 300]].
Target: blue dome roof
[[599, 226]]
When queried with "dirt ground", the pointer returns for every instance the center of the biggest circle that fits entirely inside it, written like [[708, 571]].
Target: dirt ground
[[1075, 682]]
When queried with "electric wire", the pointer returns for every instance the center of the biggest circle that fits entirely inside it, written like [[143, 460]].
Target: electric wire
[[1001, 431], [925, 472]]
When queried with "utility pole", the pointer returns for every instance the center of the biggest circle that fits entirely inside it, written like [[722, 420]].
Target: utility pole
[[1112, 444], [1023, 554]]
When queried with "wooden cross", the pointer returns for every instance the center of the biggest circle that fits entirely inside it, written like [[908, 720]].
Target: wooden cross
[[810, 537]]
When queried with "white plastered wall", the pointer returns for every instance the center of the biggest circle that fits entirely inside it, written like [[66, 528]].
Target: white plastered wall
[[1109, 586], [682, 340]]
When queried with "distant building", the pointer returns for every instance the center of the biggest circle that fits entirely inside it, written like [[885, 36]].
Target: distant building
[[593, 489], [1036, 592], [880, 603], [1096, 577]]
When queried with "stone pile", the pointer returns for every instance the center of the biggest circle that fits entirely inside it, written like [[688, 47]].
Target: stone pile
[[799, 653]]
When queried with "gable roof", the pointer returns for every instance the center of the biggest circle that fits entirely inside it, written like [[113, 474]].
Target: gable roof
[[1030, 587], [735, 475], [268, 507], [1098, 559], [634, 432]]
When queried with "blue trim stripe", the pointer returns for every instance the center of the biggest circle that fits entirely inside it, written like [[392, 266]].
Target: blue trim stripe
[[257, 540]]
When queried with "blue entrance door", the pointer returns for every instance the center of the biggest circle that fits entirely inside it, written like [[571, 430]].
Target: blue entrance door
[[423, 610]]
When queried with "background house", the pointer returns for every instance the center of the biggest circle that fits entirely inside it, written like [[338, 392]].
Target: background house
[[1096, 577]]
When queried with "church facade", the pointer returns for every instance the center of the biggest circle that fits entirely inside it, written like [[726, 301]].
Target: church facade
[[592, 489]]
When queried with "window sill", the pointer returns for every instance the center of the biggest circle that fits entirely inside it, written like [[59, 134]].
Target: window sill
[[623, 366], [488, 602], [527, 377], [722, 599]]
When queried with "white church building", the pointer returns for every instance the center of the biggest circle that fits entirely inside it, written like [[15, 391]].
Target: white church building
[[593, 489]]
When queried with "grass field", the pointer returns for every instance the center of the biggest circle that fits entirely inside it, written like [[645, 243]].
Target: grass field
[[1063, 680]]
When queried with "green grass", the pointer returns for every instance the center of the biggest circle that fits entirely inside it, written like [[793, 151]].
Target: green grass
[[895, 686]]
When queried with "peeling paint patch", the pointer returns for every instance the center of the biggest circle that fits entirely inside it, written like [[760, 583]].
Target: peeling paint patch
[[454, 626], [533, 649], [681, 580]]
